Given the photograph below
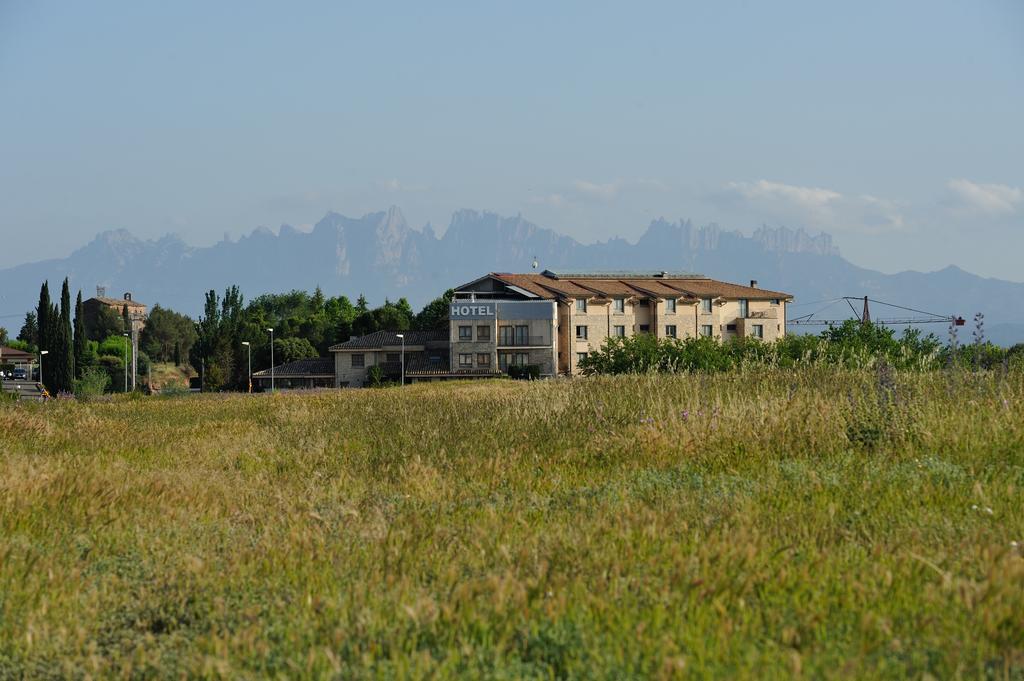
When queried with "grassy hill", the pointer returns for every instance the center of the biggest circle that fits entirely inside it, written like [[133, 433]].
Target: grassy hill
[[741, 525]]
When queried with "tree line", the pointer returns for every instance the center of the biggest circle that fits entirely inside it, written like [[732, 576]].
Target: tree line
[[305, 325], [88, 352]]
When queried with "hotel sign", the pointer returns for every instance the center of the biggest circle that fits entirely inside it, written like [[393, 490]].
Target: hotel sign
[[472, 310]]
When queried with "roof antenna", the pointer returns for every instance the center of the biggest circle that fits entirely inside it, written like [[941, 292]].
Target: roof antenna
[[535, 263]]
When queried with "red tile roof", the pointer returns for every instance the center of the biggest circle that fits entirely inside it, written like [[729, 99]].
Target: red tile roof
[[591, 285]]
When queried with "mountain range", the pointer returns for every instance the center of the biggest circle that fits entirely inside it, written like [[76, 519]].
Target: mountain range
[[380, 255]]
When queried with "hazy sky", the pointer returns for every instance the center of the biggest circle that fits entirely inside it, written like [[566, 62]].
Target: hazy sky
[[896, 126]]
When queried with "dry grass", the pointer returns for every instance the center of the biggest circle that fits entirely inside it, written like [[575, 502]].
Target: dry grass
[[743, 525]]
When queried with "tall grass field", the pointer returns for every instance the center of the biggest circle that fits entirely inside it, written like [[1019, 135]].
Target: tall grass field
[[753, 524]]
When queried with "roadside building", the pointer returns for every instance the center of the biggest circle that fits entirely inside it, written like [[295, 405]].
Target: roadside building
[[302, 374], [12, 358], [136, 310], [427, 358], [552, 320]]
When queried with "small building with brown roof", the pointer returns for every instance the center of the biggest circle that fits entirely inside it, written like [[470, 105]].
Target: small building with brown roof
[[302, 374], [12, 358], [426, 359], [136, 310]]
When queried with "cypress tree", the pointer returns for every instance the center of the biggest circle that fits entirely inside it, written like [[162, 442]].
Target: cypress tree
[[80, 339], [63, 351], [43, 319], [127, 319]]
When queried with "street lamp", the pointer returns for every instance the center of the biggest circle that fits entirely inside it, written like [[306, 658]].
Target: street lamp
[[125, 362], [271, 330], [402, 336], [41, 353], [248, 347]]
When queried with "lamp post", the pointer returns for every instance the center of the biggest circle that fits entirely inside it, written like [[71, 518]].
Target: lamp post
[[41, 353], [125, 362], [271, 330], [248, 348], [402, 336]]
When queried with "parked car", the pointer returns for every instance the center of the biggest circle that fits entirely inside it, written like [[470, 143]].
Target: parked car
[[20, 375]]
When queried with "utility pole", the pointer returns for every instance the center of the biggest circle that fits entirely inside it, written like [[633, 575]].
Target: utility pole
[[866, 315], [402, 336], [271, 330], [135, 356], [248, 347], [126, 341]]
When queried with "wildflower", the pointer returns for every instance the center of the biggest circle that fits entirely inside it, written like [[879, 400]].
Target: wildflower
[[974, 507], [685, 414], [1014, 544], [988, 510]]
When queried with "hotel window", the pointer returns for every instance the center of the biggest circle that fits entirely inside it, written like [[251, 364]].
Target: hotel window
[[581, 304], [393, 357], [706, 330], [744, 307], [465, 333], [581, 333], [522, 335], [358, 361], [580, 356], [705, 305], [506, 335], [645, 328], [619, 331], [775, 301], [670, 305], [670, 331], [483, 359], [730, 327], [483, 333], [465, 359], [507, 359], [757, 330], [619, 305]]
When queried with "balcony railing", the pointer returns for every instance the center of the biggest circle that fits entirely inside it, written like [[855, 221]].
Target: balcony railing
[[531, 341]]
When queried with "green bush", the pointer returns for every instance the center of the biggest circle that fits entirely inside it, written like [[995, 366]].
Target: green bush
[[850, 346], [93, 383]]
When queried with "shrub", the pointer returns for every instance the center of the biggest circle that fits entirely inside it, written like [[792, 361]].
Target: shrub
[[851, 345], [94, 382]]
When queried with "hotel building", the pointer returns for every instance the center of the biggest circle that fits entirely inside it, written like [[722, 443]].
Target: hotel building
[[554, 319]]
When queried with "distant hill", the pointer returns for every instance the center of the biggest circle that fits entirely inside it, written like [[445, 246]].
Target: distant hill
[[380, 256]]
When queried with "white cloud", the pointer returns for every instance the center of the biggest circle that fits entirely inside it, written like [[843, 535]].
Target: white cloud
[[882, 213], [808, 197], [605, 192], [995, 199], [814, 207]]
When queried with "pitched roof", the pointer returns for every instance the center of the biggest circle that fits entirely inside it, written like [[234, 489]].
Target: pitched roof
[[552, 286], [117, 302], [9, 354], [382, 339], [313, 366]]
